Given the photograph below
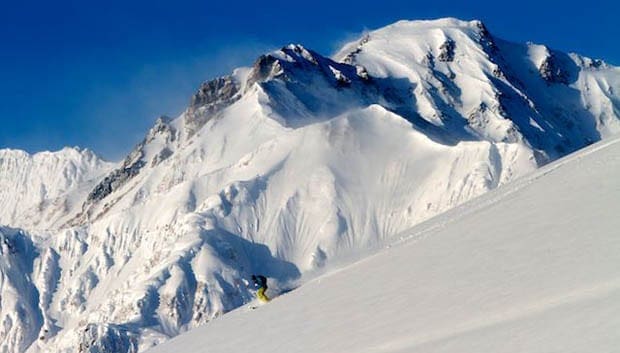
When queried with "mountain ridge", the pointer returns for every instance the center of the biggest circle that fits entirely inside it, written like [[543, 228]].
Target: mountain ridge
[[495, 274], [286, 166], [45, 183]]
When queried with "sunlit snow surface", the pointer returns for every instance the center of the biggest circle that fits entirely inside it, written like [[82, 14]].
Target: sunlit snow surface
[[530, 267], [37, 190], [289, 168]]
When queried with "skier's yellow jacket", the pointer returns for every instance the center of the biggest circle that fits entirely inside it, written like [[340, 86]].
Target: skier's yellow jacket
[[261, 294]]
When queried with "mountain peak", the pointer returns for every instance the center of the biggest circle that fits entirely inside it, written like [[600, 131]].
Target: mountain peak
[[423, 34], [445, 22], [36, 185], [283, 167], [66, 153]]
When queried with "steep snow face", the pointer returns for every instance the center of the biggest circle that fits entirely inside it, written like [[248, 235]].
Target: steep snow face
[[286, 166], [532, 266], [176, 249], [465, 80], [20, 317], [41, 190]]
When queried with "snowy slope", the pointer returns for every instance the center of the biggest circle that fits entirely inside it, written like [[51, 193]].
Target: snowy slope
[[530, 267], [469, 81], [286, 167], [37, 190]]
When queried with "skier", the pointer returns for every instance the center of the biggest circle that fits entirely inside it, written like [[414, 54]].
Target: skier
[[261, 283]]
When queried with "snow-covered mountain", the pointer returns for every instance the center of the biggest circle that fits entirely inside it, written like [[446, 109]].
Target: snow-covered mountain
[[38, 190], [280, 169], [530, 267]]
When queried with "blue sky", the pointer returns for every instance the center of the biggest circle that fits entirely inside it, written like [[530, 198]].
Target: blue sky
[[97, 74]]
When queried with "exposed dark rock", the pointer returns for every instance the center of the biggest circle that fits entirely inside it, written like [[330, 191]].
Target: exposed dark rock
[[552, 72], [107, 339], [266, 66], [486, 39], [478, 118], [163, 128], [446, 51], [161, 156], [497, 72], [212, 96], [483, 29], [595, 63], [115, 180], [351, 56], [362, 72], [512, 135], [303, 52], [134, 162], [212, 92], [7, 245], [302, 66], [343, 81]]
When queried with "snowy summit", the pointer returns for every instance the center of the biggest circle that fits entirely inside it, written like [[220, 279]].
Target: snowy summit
[[301, 164]]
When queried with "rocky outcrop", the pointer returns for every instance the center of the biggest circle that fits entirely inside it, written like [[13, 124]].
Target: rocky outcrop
[[116, 179], [350, 58], [280, 184], [136, 160], [486, 38], [212, 96], [107, 339], [552, 71], [446, 51], [265, 67]]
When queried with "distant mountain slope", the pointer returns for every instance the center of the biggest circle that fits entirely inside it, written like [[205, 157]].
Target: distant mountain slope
[[530, 267], [289, 165], [38, 190]]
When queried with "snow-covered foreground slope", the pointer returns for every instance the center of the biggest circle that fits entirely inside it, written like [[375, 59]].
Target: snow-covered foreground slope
[[530, 267], [281, 169]]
